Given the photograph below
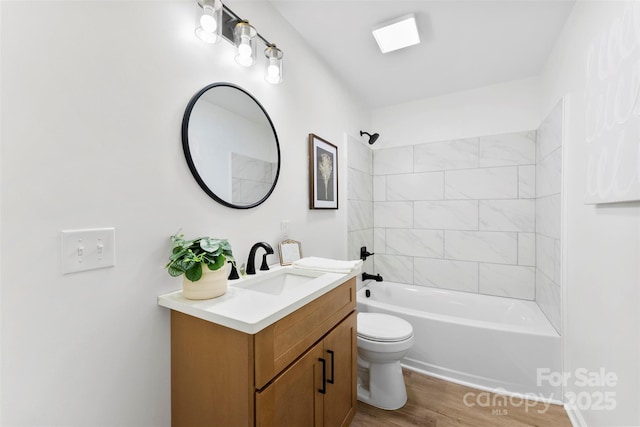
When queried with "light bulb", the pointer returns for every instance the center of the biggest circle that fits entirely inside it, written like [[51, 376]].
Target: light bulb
[[273, 79], [208, 15], [208, 20], [245, 47], [273, 71]]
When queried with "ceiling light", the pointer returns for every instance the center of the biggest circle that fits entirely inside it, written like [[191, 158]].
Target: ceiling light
[[397, 34]]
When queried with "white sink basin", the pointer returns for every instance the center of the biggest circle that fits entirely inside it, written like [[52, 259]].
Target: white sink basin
[[279, 282]]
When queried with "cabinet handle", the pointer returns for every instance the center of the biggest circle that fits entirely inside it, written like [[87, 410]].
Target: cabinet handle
[[330, 381], [323, 390]]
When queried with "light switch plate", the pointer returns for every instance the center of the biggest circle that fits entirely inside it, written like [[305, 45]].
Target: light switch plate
[[88, 249]]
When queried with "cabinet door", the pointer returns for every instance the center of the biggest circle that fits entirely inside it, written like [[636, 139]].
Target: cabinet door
[[294, 398], [340, 350]]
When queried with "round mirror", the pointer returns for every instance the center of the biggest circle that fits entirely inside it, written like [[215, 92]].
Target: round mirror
[[231, 146]]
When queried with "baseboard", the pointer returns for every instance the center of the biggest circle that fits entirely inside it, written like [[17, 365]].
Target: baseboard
[[467, 381], [575, 416]]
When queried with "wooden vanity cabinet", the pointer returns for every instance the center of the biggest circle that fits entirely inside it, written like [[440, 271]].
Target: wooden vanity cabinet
[[318, 389], [299, 371]]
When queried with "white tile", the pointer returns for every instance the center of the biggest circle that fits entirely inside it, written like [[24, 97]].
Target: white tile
[[415, 186], [393, 160], [394, 268], [550, 132], [508, 215], [379, 188], [446, 274], [359, 156], [247, 191], [446, 155], [511, 281], [393, 214], [545, 255], [357, 239], [548, 216], [548, 174], [548, 299], [248, 168], [489, 183], [508, 149], [360, 186], [360, 215], [379, 240], [483, 246], [447, 215], [527, 249], [419, 243], [527, 182]]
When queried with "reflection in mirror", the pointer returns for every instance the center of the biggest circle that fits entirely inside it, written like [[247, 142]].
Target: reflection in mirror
[[231, 146]]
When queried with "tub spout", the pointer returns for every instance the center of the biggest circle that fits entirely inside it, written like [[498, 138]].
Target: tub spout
[[376, 277]]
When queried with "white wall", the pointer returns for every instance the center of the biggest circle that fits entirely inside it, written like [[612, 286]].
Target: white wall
[[503, 108], [602, 252], [92, 100]]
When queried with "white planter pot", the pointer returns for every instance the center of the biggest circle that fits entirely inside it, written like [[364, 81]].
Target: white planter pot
[[213, 283]]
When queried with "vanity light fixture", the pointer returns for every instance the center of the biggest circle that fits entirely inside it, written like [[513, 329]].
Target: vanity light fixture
[[274, 56], [209, 21], [245, 40], [397, 34], [214, 20]]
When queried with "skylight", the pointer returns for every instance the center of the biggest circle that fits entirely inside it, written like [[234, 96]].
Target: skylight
[[397, 34]]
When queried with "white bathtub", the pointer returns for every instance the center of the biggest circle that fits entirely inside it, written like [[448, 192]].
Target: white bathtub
[[486, 342]]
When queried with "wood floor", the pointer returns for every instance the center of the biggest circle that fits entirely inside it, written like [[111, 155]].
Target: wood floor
[[437, 403]]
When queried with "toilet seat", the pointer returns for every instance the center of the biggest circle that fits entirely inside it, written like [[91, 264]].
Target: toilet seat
[[383, 327]]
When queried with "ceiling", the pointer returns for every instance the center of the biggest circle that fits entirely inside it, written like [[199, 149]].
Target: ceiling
[[465, 44]]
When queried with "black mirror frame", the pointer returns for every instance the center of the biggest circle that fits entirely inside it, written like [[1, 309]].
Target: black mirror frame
[[187, 151]]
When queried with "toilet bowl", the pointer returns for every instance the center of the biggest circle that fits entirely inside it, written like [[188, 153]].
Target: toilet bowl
[[382, 341]]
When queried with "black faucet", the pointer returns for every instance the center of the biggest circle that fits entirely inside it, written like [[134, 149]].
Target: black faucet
[[376, 277], [234, 272], [251, 263]]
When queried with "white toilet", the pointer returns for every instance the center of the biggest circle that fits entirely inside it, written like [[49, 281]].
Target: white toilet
[[382, 341]]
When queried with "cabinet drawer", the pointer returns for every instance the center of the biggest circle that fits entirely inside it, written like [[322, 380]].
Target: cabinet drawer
[[280, 344]]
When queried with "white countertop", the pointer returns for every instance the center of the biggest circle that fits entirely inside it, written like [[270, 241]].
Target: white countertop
[[250, 311]]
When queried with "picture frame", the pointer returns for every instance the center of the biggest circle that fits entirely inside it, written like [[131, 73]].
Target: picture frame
[[323, 173], [290, 251]]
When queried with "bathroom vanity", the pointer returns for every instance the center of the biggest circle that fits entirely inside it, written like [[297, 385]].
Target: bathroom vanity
[[286, 357]]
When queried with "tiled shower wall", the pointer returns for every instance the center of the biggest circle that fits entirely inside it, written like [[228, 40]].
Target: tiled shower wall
[[360, 200], [458, 214], [478, 215], [548, 214]]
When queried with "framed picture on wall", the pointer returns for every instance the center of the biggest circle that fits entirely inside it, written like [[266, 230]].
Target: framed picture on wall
[[323, 174]]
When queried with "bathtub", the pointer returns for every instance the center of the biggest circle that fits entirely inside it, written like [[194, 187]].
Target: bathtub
[[485, 342]]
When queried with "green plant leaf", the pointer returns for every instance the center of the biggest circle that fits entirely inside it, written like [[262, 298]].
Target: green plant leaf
[[210, 245], [218, 264], [174, 271], [194, 273]]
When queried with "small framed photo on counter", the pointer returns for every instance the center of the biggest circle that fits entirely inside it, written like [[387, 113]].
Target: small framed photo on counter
[[323, 174], [290, 251]]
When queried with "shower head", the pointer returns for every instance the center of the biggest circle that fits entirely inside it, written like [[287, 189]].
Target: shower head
[[372, 138]]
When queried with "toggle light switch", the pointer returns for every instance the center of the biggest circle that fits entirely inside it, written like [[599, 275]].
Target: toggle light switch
[[88, 249]]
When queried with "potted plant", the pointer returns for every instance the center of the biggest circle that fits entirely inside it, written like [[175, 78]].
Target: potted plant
[[202, 261]]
